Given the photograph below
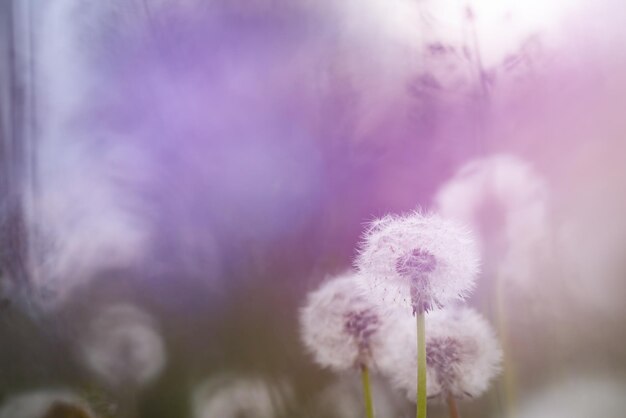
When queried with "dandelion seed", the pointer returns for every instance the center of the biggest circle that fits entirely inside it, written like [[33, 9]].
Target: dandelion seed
[[462, 355]]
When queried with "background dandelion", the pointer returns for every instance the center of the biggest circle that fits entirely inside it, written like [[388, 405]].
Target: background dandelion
[[577, 396], [235, 396], [44, 404], [124, 348]]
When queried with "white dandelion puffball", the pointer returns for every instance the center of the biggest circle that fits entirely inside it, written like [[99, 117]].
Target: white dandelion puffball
[[581, 397], [227, 396], [462, 354], [41, 403], [341, 327], [506, 201], [123, 347], [421, 261]]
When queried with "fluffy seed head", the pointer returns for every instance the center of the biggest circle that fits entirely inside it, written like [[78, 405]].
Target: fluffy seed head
[[421, 261], [339, 325], [231, 396], [576, 397], [462, 354], [123, 346], [506, 202], [46, 403]]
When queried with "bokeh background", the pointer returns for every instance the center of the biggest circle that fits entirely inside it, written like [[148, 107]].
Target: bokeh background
[[205, 164]]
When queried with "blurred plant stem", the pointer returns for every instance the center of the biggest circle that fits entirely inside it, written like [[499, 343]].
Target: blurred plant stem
[[367, 391], [421, 364], [452, 408], [509, 373]]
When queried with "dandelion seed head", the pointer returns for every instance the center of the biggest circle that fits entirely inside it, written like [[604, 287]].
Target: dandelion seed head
[[124, 347], [577, 397], [462, 354], [230, 396], [43, 403], [505, 201], [340, 325], [418, 259]]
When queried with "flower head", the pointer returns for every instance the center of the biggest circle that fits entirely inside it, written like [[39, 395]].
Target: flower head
[[124, 347], [227, 396], [420, 261], [462, 354], [45, 403], [505, 201], [339, 325], [577, 397]]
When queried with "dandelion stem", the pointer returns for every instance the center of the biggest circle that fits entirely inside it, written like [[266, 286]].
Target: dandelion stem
[[367, 391], [508, 365], [421, 365], [452, 408]]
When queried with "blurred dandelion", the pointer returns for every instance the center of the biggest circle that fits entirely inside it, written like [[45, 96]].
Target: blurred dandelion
[[124, 348], [506, 202], [462, 355], [422, 262], [341, 328], [580, 397], [230, 396], [53, 403]]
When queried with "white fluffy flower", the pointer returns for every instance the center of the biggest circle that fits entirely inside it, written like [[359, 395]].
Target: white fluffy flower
[[42, 403], [340, 326], [418, 261], [231, 397], [124, 347], [462, 354], [506, 201]]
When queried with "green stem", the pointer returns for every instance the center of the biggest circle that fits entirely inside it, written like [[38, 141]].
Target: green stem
[[509, 375], [421, 365], [367, 391]]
